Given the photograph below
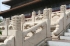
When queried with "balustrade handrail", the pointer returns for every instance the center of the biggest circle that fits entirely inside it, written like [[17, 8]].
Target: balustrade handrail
[[35, 27], [6, 41]]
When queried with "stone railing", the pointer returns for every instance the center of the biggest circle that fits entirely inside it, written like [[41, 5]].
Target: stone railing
[[59, 26], [40, 17], [8, 42], [35, 34], [37, 17], [30, 36], [62, 23]]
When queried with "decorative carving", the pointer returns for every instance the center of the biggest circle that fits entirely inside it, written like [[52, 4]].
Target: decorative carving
[[16, 22], [42, 27], [33, 32], [10, 28], [39, 18], [2, 28], [63, 8], [22, 18], [47, 13], [35, 24], [27, 26]]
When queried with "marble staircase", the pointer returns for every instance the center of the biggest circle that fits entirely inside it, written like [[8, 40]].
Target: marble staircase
[[63, 41], [66, 35]]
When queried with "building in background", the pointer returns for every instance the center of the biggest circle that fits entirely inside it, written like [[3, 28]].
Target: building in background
[[27, 6]]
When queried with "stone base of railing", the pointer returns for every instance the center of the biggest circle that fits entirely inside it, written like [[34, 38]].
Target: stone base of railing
[[2, 38], [44, 42], [55, 38]]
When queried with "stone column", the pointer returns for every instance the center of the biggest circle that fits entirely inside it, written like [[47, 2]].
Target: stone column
[[18, 34], [63, 10], [22, 20], [39, 12], [4, 19], [33, 16], [7, 24], [46, 16], [44, 13], [49, 20], [50, 12]]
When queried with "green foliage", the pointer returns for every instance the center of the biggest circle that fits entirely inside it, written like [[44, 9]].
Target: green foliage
[[0, 20], [0, 32]]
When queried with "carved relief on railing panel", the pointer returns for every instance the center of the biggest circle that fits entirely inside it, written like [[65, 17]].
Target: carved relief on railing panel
[[55, 14], [2, 28], [59, 26], [28, 19], [10, 27], [27, 26], [39, 17], [34, 30], [39, 29], [54, 19]]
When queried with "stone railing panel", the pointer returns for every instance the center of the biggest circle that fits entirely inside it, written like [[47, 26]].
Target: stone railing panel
[[36, 36], [59, 26], [8, 42]]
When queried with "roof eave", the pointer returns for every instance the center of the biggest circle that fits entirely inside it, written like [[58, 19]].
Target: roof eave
[[23, 5]]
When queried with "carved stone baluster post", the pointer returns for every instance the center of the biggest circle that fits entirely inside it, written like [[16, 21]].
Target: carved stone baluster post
[[39, 12], [22, 20], [18, 34], [44, 13], [63, 10], [33, 16], [46, 16], [7, 24], [50, 12]]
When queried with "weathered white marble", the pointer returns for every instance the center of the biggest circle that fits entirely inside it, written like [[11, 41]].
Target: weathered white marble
[[31, 31], [33, 16]]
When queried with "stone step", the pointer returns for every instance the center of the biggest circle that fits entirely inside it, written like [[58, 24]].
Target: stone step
[[65, 37], [67, 34], [68, 30], [58, 43]]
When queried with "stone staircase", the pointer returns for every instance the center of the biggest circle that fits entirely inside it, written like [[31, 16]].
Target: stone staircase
[[66, 35], [63, 41]]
